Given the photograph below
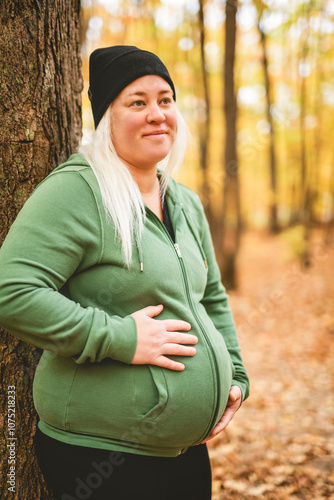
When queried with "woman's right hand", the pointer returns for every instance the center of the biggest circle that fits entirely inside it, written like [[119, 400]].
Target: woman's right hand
[[158, 338]]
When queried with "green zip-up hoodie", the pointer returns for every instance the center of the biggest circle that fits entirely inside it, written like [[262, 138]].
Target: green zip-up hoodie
[[64, 288]]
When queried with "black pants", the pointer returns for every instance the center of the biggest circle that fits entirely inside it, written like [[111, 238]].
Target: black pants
[[80, 473]]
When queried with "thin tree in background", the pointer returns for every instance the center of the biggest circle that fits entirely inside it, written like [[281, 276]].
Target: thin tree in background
[[292, 149], [304, 187], [329, 227], [231, 204], [319, 131], [40, 125], [273, 224], [204, 132]]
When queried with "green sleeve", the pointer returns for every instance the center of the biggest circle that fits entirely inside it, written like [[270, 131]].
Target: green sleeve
[[216, 303], [57, 233]]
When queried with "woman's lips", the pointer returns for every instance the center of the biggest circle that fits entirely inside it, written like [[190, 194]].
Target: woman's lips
[[156, 133]]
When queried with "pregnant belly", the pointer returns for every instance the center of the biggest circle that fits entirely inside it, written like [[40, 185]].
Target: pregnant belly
[[142, 405]]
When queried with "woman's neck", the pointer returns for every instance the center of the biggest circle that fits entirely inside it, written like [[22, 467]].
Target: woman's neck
[[149, 186]]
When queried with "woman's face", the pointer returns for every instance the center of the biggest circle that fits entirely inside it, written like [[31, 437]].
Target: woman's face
[[143, 122]]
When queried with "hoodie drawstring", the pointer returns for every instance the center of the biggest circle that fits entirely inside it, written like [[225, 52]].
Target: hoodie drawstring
[[140, 256], [193, 232]]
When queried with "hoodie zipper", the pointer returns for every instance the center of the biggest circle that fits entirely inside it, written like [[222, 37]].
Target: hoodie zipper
[[185, 278], [193, 310]]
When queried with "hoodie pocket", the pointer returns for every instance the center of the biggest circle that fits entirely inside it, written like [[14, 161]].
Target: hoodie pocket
[[151, 392]]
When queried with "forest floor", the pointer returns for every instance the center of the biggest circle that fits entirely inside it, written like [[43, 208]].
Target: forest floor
[[280, 443]]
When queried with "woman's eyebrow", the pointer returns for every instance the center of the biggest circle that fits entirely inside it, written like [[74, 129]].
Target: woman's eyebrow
[[142, 93]]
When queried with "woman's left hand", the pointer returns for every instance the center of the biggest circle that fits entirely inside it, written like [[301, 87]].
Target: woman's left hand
[[233, 403]]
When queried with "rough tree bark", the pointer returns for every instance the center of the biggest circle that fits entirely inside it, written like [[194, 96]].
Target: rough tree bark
[[40, 125], [231, 202]]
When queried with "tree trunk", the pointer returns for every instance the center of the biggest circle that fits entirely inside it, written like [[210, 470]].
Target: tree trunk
[[273, 177], [329, 226], [204, 134], [305, 188], [40, 125], [231, 204]]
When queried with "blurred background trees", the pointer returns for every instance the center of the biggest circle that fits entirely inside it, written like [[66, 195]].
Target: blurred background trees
[[260, 111]]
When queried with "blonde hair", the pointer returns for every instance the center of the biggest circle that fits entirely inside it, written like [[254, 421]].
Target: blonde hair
[[122, 200]]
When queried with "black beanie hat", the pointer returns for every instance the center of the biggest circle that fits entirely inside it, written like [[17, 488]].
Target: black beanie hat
[[111, 69]]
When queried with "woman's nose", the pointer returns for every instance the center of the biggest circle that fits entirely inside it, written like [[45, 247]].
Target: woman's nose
[[155, 114]]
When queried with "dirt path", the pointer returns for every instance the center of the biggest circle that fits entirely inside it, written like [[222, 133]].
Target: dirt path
[[280, 445]]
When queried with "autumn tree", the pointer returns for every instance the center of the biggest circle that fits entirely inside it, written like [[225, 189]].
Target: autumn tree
[[262, 8], [329, 226], [204, 132], [305, 190], [40, 125], [231, 202]]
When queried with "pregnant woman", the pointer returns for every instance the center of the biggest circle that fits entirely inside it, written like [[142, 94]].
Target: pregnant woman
[[110, 269]]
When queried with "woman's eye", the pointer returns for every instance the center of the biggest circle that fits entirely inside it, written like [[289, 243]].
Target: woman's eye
[[166, 101], [137, 104]]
